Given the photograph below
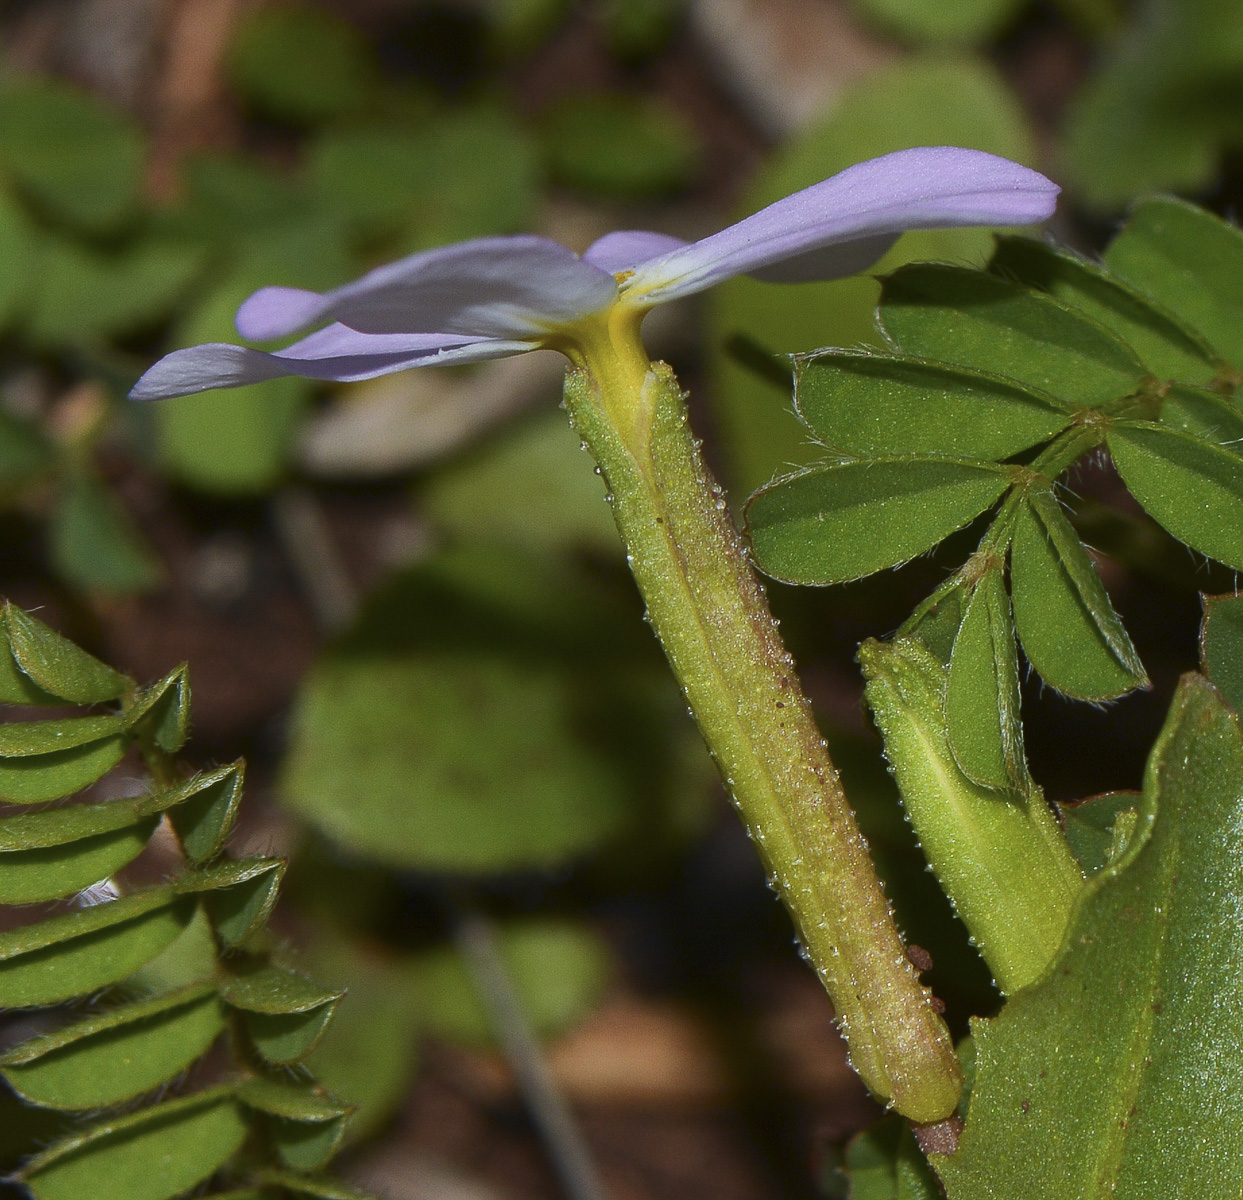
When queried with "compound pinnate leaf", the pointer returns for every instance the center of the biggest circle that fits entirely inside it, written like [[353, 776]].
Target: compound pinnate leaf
[[873, 405], [1165, 345], [117, 1054], [843, 521], [1191, 262], [977, 320], [1192, 487], [154, 1154], [79, 952], [1068, 627], [982, 694], [1137, 1005], [1000, 858], [1221, 646], [55, 665], [45, 760]]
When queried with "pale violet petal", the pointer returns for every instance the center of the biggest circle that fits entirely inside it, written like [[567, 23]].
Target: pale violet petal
[[625, 249], [335, 353], [516, 287], [828, 262], [929, 187]]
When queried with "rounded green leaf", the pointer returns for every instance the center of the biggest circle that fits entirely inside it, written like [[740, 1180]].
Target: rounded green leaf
[[1165, 345], [559, 970], [117, 1054], [1069, 629], [470, 173], [154, 1154], [1192, 487], [79, 159], [79, 952], [977, 320], [872, 405], [1189, 260], [839, 522], [95, 545], [982, 715], [301, 63], [619, 145]]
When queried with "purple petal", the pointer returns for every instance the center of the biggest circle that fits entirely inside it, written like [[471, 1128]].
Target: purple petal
[[627, 248], [930, 187], [501, 287], [336, 353]]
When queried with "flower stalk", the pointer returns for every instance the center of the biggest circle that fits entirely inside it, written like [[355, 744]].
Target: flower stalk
[[709, 611]]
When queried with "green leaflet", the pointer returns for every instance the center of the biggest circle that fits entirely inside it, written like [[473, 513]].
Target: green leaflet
[[162, 711], [305, 1124], [1099, 827], [998, 856], [1204, 414], [1165, 345], [45, 760], [1087, 1080], [204, 817], [976, 320], [237, 893], [843, 521], [982, 693], [117, 1054], [884, 1163], [54, 665], [1065, 621], [79, 952], [69, 864], [286, 1014], [1191, 262], [154, 1154], [921, 100], [1192, 487], [874, 405], [1221, 646]]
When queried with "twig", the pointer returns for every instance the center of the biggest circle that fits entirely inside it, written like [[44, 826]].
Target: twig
[[571, 1158]]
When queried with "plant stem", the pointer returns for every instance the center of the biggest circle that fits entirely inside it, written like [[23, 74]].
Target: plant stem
[[710, 614]]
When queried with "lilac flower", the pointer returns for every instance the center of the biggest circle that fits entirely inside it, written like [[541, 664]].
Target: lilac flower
[[498, 296]]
